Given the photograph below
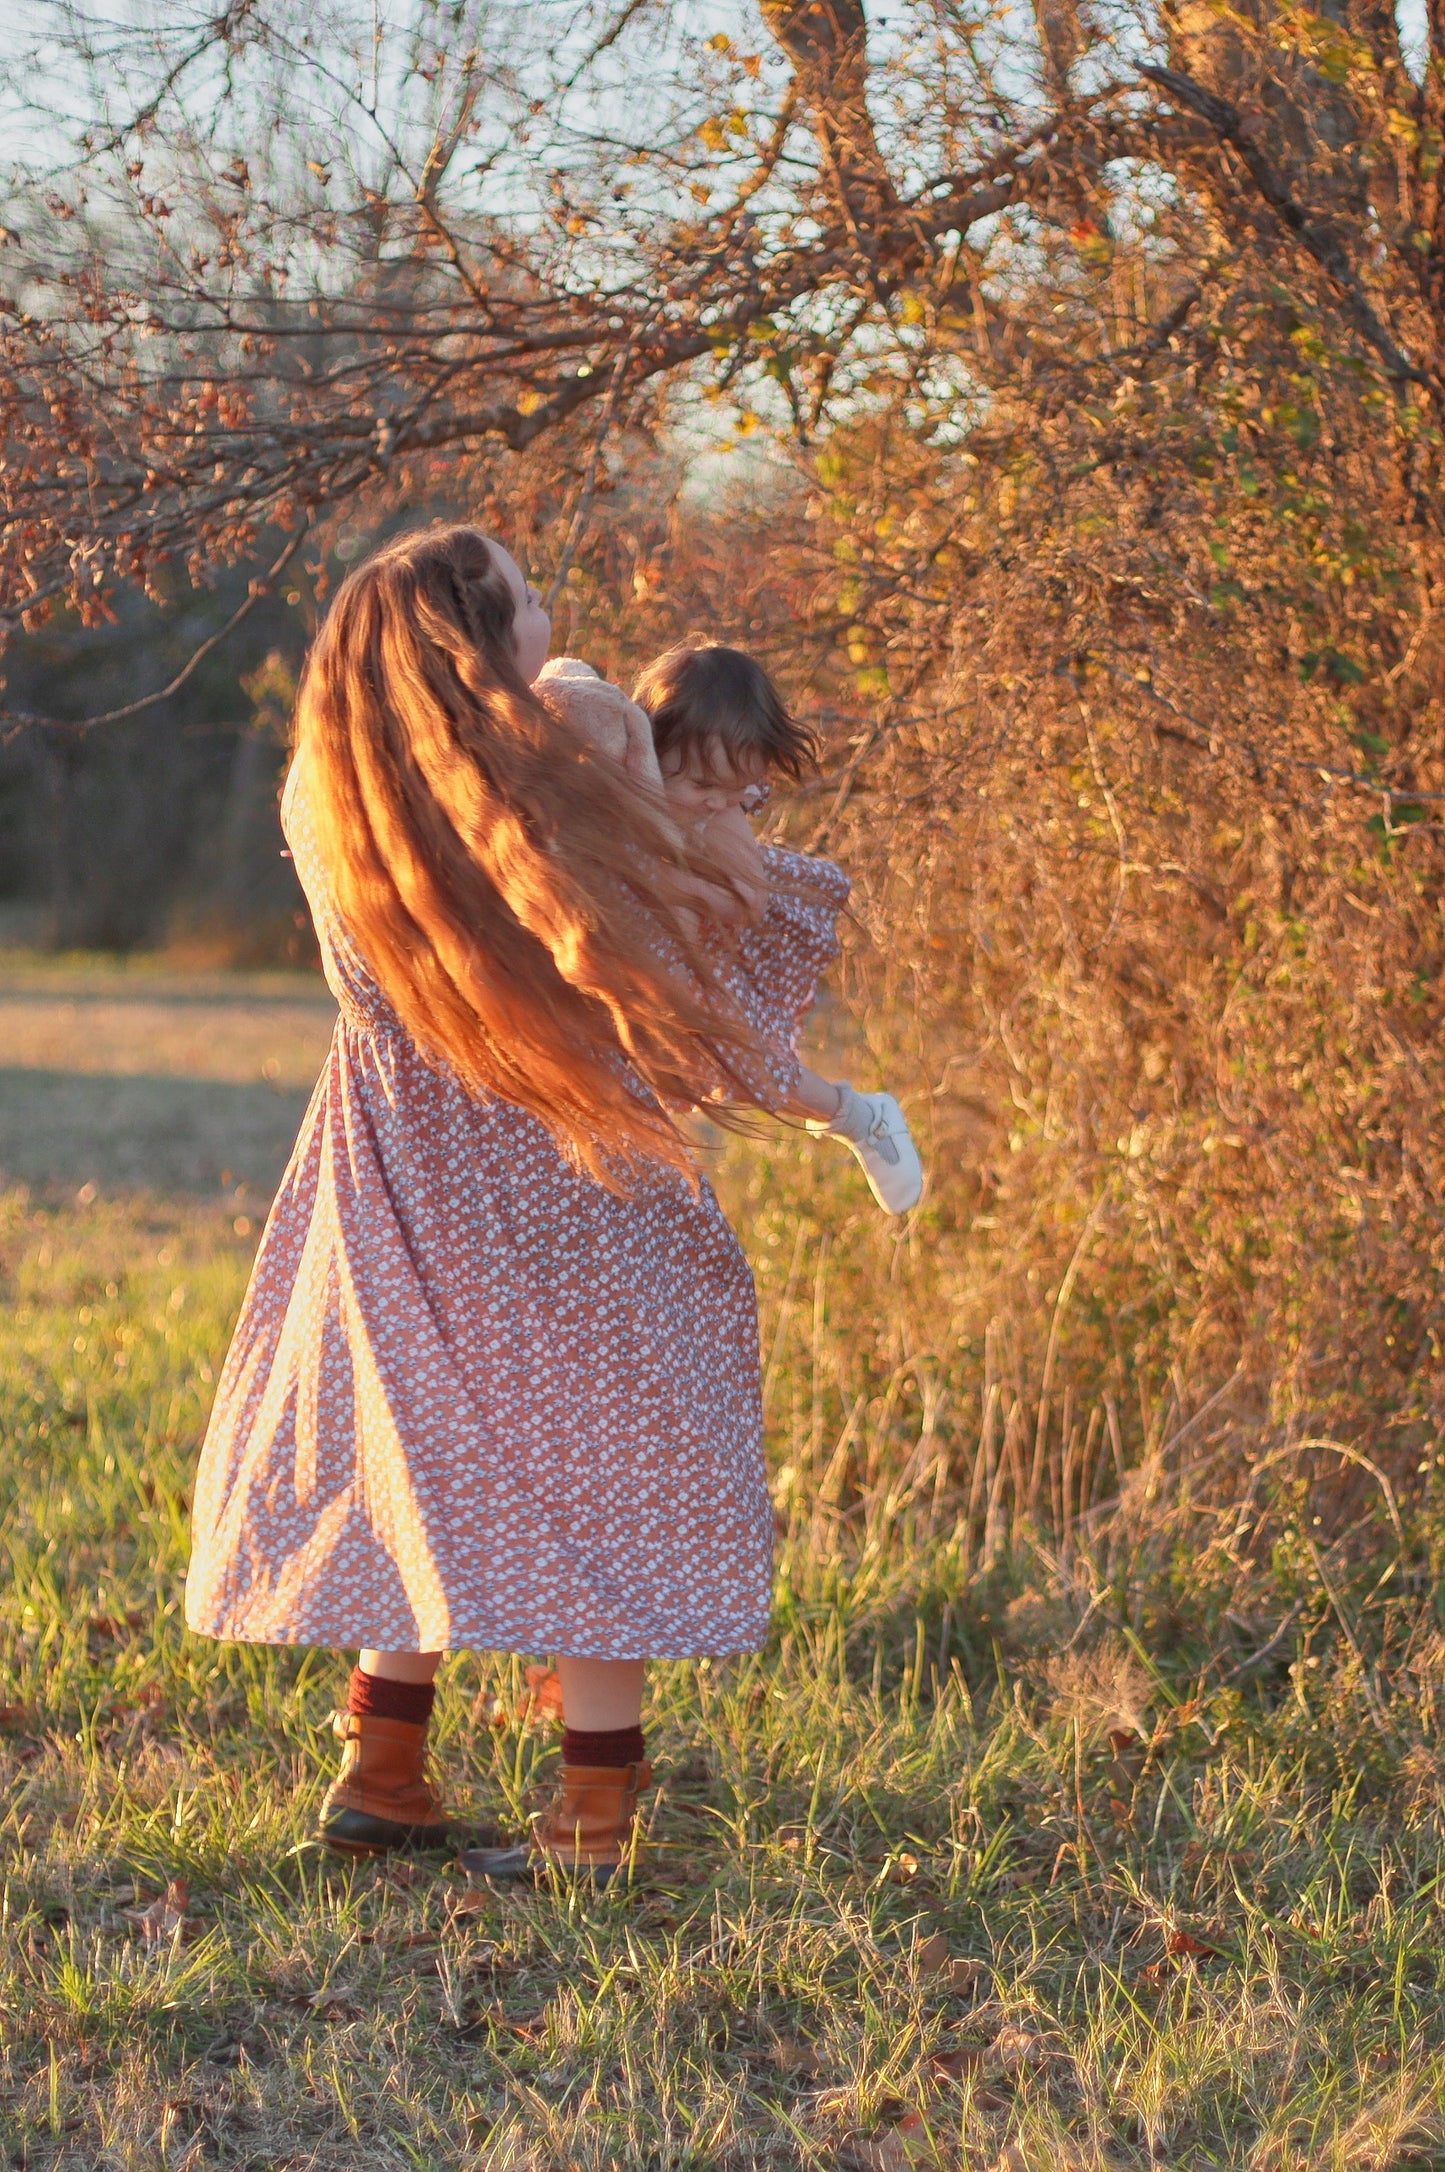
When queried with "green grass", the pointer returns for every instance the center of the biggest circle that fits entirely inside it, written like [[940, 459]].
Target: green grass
[[922, 1755]]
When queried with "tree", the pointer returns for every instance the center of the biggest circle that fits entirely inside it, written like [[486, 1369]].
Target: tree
[[290, 263], [1104, 363]]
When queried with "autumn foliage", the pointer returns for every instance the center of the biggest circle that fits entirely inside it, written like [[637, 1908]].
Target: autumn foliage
[[1099, 363]]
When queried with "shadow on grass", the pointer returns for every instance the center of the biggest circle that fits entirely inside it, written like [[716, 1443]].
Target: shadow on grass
[[67, 1129]]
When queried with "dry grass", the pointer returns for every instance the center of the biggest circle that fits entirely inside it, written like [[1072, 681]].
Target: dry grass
[[915, 1876]]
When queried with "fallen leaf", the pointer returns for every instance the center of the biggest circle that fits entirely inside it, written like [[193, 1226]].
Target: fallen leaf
[[110, 1628], [1180, 1943], [476, 1900], [15, 1719], [931, 1956], [335, 2002], [166, 1918], [1153, 1977], [795, 2057], [958, 2064], [901, 1869], [1126, 1767], [908, 2147], [964, 1975], [1018, 2048]]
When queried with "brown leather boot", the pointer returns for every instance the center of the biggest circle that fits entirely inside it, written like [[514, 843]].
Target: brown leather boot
[[586, 1831], [380, 1800]]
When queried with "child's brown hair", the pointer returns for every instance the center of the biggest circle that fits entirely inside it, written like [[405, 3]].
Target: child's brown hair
[[719, 699]]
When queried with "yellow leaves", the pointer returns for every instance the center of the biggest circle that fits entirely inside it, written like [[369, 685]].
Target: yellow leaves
[[1334, 52], [529, 401], [720, 131]]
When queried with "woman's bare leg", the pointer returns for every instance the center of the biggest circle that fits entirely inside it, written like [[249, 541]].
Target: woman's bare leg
[[602, 1694]]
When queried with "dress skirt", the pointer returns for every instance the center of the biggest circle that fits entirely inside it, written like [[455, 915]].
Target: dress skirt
[[473, 1398]]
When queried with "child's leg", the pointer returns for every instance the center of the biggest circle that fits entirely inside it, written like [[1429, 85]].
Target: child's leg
[[417, 1667], [589, 1826], [816, 1097], [381, 1799], [602, 1694]]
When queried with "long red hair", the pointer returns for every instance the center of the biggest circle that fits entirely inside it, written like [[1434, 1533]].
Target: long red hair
[[517, 896]]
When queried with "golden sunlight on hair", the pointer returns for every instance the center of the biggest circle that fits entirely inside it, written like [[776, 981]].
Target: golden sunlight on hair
[[514, 893]]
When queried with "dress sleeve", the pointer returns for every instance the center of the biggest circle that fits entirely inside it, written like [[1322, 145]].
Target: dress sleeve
[[772, 970]]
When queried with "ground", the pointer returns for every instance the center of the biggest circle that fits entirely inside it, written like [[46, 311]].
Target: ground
[[1005, 1864]]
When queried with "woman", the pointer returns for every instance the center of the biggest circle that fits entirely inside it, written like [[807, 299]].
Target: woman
[[495, 1382]]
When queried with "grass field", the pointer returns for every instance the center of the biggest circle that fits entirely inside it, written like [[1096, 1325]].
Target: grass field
[[1123, 1859]]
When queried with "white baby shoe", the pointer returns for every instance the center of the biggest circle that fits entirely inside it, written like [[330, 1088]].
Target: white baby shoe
[[876, 1130]]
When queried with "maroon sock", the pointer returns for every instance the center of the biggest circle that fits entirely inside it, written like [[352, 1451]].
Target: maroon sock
[[376, 1696], [617, 1746]]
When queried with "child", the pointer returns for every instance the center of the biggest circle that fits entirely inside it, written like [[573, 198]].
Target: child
[[719, 728], [496, 1383]]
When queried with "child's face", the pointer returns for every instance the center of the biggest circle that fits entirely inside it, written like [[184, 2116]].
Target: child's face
[[705, 778]]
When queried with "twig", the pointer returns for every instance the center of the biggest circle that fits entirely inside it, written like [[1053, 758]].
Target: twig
[[1256, 1659], [589, 485], [1321, 240], [21, 720]]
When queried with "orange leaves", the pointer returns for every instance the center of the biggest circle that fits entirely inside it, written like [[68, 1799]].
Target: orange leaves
[[540, 1705], [1180, 1947]]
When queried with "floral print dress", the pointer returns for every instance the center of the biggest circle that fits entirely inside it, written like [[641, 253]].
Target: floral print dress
[[474, 1399]]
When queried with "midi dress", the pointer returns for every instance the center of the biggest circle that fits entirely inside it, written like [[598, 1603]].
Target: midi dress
[[474, 1399]]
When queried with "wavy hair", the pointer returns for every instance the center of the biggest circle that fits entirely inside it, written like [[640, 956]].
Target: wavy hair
[[519, 898]]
